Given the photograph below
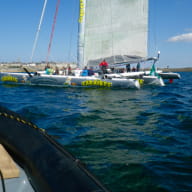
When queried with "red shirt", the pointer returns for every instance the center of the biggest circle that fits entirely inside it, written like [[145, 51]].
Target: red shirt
[[103, 63]]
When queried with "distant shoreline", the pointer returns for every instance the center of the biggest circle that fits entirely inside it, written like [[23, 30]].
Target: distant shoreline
[[18, 67], [184, 69]]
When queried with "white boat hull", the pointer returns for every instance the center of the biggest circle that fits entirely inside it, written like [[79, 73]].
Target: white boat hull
[[153, 80], [67, 81], [170, 75], [143, 79]]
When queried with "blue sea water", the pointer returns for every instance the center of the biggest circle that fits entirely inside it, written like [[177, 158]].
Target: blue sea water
[[132, 140]]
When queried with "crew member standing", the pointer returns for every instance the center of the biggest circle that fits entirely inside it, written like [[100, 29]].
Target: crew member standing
[[103, 66], [138, 66], [128, 67]]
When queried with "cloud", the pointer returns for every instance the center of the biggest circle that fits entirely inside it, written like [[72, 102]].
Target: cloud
[[186, 37]]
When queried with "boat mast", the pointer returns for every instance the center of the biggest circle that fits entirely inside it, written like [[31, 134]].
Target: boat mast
[[38, 30], [81, 34], [52, 31]]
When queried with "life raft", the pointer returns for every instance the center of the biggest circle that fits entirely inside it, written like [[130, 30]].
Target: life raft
[[48, 165]]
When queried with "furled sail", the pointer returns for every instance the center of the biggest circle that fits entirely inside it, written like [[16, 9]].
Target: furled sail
[[115, 30]]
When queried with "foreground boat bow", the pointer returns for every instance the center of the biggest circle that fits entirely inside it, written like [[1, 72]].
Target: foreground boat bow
[[49, 167]]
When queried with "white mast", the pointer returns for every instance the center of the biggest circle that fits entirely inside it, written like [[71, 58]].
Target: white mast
[[81, 33], [38, 30]]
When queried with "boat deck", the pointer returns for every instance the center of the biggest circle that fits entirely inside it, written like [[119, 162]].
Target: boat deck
[[14, 177]]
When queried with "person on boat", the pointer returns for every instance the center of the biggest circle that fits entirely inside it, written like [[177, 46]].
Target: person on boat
[[64, 69], [90, 71], [84, 72], [121, 70], [47, 66], [112, 69], [133, 69], [48, 70], [138, 66], [56, 71], [69, 70], [103, 66], [128, 67]]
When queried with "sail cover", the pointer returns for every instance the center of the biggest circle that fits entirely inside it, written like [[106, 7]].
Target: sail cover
[[112, 30]]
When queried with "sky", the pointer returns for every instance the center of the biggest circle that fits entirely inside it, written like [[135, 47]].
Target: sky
[[170, 31]]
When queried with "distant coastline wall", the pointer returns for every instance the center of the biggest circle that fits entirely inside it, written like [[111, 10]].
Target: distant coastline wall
[[18, 67], [184, 69]]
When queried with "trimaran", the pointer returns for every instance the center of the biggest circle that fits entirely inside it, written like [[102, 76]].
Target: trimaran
[[119, 36], [46, 166]]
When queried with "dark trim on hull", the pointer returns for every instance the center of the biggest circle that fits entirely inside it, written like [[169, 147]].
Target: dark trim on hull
[[50, 168], [167, 75]]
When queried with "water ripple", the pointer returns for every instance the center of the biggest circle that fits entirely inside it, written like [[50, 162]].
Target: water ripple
[[132, 140]]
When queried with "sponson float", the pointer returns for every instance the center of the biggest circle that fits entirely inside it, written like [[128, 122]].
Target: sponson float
[[44, 164]]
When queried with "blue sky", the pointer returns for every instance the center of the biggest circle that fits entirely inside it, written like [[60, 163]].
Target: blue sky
[[170, 31]]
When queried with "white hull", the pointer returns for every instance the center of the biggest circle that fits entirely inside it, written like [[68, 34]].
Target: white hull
[[153, 80], [67, 81], [166, 75], [170, 75], [144, 79]]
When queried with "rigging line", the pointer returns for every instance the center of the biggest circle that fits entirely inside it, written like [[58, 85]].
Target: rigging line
[[52, 31], [38, 30]]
